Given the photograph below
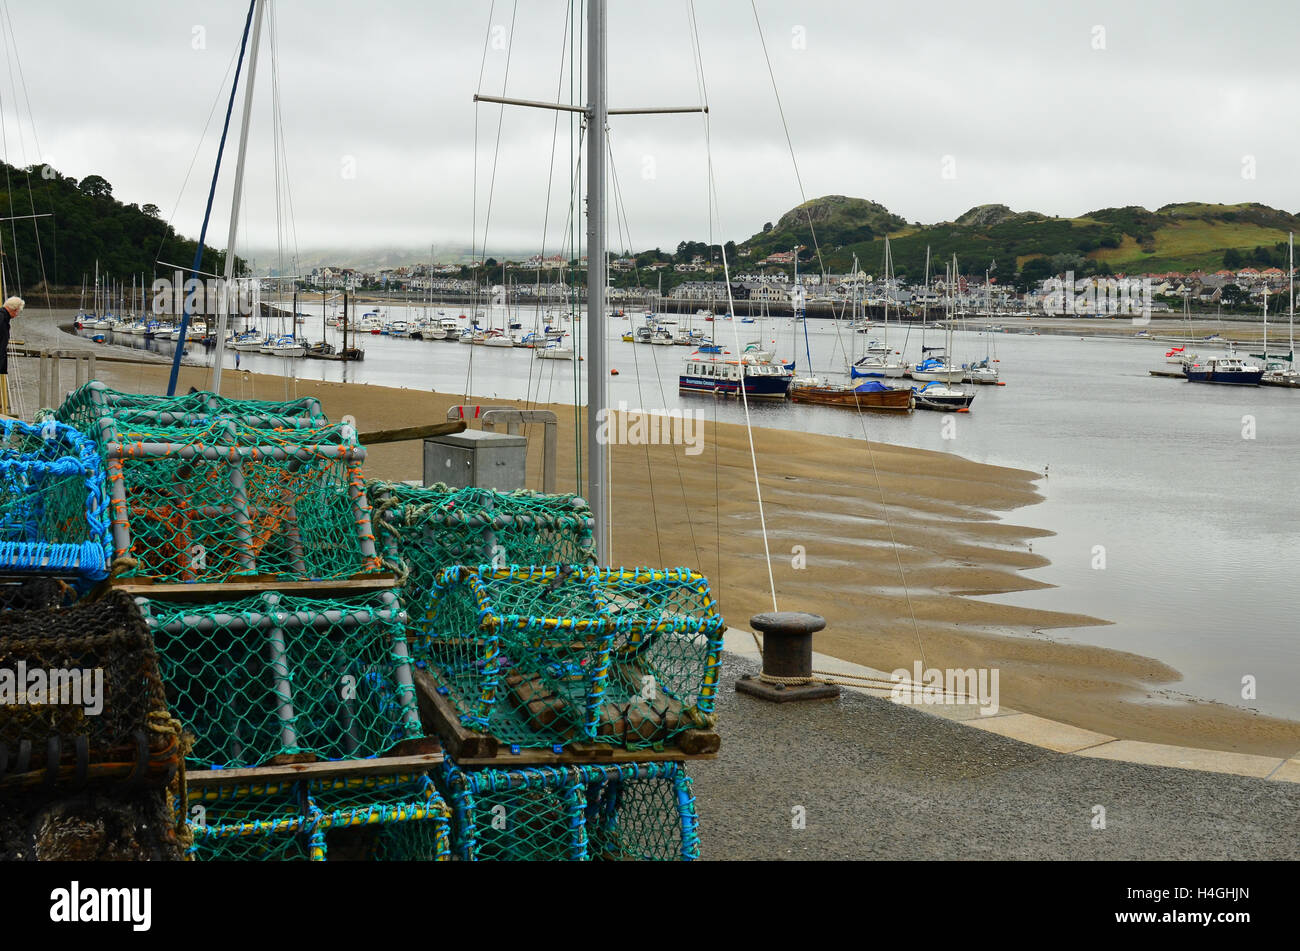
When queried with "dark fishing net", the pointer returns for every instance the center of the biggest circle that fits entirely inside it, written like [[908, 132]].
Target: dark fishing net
[[81, 698]]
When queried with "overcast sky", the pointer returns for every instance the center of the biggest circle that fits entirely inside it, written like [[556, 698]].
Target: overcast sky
[[1054, 107]]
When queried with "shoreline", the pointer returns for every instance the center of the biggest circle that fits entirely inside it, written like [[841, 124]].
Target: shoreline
[[947, 515]]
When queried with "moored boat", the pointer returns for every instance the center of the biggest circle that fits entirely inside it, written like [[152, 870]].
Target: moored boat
[[982, 371], [1227, 370], [726, 377], [553, 352], [938, 396], [935, 370], [878, 363], [285, 346], [869, 394]]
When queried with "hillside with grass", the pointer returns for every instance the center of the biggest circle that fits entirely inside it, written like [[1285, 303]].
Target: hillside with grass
[[1025, 247]]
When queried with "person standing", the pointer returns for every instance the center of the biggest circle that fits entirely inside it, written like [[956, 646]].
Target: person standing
[[8, 311]]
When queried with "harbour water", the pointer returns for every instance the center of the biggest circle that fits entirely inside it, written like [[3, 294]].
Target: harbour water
[[1171, 502]]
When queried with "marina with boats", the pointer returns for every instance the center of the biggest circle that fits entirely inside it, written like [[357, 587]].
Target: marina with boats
[[835, 445]]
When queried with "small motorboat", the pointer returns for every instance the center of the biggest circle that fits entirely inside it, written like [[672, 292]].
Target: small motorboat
[[879, 363], [553, 352], [943, 398]]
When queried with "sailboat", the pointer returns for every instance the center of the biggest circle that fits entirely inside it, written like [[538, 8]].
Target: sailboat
[[937, 368], [878, 362], [983, 371], [1276, 371], [937, 373]]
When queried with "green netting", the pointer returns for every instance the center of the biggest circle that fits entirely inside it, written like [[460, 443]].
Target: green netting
[[547, 656], [88, 404], [227, 499], [632, 811], [53, 515], [275, 675], [375, 818], [423, 530], [635, 817], [248, 824]]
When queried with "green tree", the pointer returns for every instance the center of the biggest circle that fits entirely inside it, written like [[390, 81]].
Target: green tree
[[95, 186], [1232, 260], [1234, 295]]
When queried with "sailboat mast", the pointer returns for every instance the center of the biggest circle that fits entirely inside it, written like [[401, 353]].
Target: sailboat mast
[[219, 355], [1265, 325], [1290, 278], [889, 262], [597, 118]]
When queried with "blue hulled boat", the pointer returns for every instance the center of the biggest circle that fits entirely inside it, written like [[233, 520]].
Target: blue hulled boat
[[1229, 370], [760, 380]]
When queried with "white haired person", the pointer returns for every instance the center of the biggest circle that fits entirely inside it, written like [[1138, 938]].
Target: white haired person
[[11, 309]]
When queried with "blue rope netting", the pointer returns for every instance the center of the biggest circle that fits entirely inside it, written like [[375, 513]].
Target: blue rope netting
[[53, 509]]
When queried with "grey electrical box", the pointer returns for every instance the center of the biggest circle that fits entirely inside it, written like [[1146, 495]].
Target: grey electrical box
[[474, 458]]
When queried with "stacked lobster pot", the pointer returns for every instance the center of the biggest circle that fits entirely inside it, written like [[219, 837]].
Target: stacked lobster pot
[[53, 514], [242, 531], [569, 697], [88, 748]]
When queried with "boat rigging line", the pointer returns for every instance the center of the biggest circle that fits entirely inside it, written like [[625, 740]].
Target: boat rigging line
[[871, 456]]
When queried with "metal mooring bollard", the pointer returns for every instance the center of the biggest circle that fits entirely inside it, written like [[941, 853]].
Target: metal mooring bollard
[[787, 659]]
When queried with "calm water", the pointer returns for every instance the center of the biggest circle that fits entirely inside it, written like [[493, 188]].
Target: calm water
[[1199, 525]]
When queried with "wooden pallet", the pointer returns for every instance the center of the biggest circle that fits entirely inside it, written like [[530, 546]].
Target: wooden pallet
[[470, 748], [288, 772], [208, 592]]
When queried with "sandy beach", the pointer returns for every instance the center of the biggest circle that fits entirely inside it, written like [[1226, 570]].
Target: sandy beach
[[888, 543]]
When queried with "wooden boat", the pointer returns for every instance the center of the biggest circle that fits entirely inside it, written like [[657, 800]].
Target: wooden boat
[[868, 395]]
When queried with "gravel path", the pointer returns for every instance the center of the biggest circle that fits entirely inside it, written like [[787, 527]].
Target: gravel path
[[879, 780]]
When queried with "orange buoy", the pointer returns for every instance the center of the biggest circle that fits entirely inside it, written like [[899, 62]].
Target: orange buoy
[[613, 373]]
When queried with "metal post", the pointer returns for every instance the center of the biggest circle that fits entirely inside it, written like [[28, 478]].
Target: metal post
[[787, 659], [212, 191], [219, 355], [402, 669], [43, 380], [120, 513], [597, 115], [280, 672], [243, 523]]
